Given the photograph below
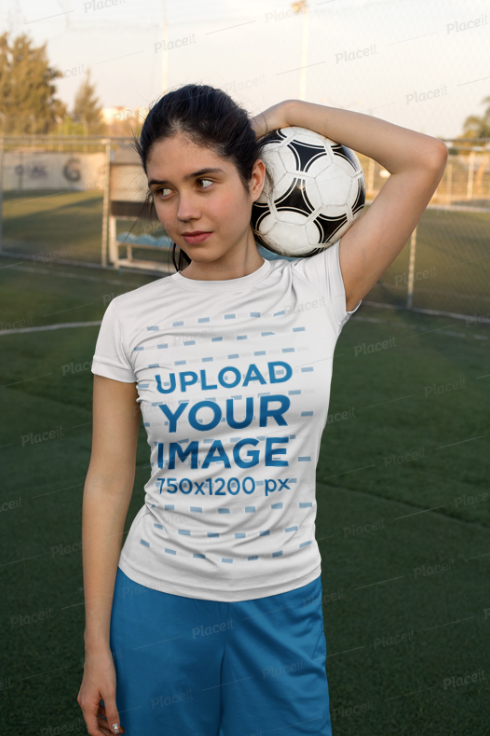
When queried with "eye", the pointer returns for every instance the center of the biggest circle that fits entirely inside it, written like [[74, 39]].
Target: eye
[[206, 180], [157, 191], [163, 189]]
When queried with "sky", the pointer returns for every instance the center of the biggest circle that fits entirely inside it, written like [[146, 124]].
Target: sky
[[421, 64]]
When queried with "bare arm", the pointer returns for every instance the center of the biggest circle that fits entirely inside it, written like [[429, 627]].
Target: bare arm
[[415, 161], [107, 492]]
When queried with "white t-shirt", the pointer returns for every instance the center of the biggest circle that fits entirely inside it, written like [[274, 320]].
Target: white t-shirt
[[233, 380]]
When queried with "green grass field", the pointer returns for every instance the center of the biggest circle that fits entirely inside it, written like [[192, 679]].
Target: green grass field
[[452, 267], [405, 540]]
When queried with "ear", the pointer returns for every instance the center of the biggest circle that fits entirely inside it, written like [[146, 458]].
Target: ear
[[258, 179]]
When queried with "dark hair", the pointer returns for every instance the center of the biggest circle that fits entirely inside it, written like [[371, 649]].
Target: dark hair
[[210, 118]]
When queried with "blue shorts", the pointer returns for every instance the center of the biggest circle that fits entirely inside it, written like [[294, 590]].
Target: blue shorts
[[191, 667]]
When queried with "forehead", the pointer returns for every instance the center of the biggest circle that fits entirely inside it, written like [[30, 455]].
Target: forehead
[[178, 156]]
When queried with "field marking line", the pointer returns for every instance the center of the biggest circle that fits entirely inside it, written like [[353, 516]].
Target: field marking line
[[435, 312], [461, 442], [449, 623], [94, 323], [335, 654], [400, 398], [477, 557], [415, 513], [350, 471], [369, 585], [12, 265], [47, 272], [413, 327], [42, 328]]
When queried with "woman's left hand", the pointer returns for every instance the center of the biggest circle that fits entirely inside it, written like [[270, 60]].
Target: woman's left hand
[[273, 118]]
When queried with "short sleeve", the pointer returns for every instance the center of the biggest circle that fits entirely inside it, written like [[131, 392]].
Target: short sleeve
[[323, 271], [110, 358]]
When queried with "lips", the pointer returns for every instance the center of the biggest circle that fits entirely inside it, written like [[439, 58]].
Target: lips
[[196, 237]]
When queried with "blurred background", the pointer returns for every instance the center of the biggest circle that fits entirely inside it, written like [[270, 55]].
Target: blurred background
[[402, 483]]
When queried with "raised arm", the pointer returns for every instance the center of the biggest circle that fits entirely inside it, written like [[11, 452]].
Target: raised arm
[[415, 161]]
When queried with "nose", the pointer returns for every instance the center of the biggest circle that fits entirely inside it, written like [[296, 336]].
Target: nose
[[188, 208]]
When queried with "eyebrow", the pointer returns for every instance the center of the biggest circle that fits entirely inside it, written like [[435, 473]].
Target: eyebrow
[[207, 170]]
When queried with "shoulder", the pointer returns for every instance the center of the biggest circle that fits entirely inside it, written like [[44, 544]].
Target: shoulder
[[127, 304]]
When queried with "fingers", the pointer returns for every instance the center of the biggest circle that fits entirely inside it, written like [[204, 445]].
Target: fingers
[[97, 720], [110, 711], [105, 729], [89, 715], [95, 725]]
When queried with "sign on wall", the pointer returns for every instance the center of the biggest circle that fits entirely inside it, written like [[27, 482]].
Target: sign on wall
[[28, 170]]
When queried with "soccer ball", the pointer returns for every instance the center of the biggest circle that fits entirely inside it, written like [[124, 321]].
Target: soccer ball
[[319, 191]]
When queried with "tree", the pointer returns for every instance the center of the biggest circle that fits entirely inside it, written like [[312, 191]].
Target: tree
[[27, 93], [86, 109], [478, 127]]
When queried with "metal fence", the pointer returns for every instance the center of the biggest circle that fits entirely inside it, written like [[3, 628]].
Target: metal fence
[[444, 268], [56, 206]]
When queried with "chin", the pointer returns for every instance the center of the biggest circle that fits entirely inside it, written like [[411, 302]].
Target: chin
[[203, 253], [200, 253]]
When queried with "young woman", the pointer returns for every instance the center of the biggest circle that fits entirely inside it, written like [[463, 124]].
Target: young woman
[[209, 619]]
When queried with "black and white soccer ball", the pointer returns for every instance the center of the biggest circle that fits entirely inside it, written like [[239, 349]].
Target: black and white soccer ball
[[319, 191]]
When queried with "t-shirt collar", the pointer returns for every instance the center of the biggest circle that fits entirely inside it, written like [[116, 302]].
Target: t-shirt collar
[[244, 282]]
